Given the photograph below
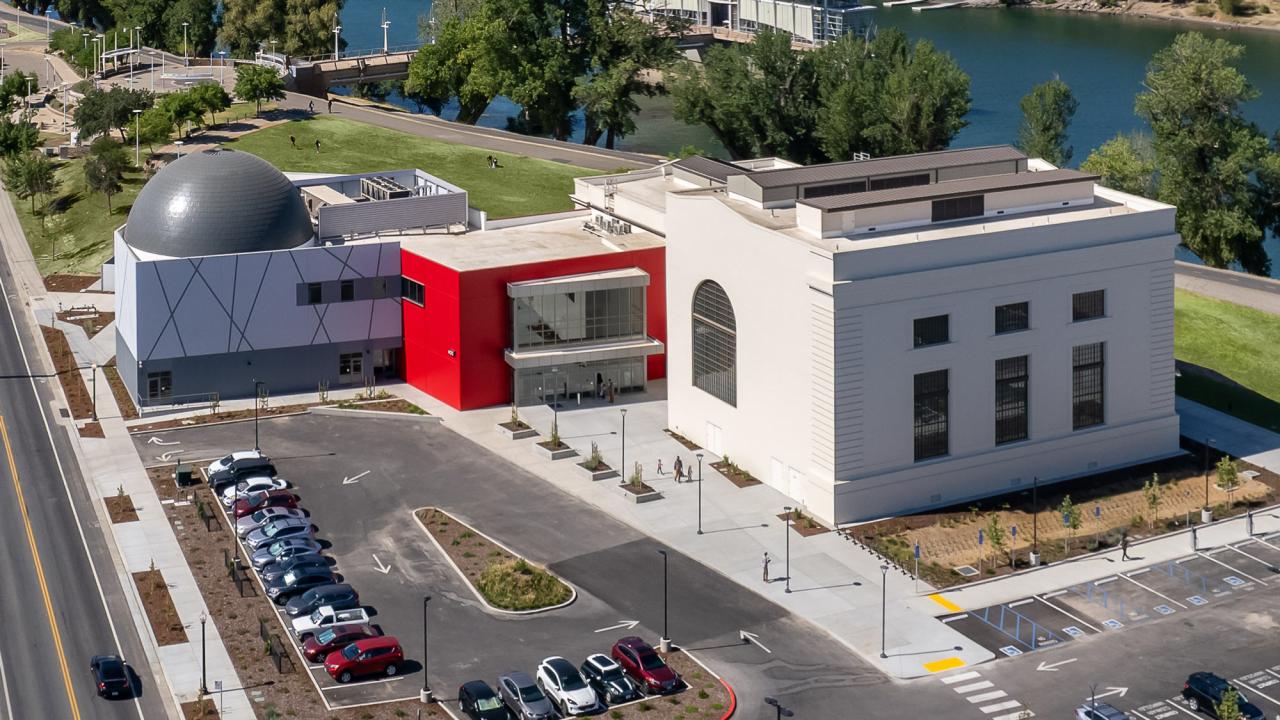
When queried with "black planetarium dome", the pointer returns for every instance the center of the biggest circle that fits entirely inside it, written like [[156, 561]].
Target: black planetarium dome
[[218, 202]]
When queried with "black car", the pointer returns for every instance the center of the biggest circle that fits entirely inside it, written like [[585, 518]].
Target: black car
[[608, 680], [300, 563], [478, 701], [339, 597], [240, 469], [289, 585], [1203, 691], [109, 675]]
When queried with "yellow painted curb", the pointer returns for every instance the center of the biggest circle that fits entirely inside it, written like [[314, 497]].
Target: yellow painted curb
[[950, 663], [945, 603]]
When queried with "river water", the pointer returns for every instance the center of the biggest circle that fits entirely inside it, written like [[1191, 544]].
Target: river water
[[1005, 52]]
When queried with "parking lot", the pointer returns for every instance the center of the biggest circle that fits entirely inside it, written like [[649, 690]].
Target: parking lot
[[361, 500], [1123, 600]]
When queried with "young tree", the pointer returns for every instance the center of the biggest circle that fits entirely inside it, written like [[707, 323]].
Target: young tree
[[258, 84], [1208, 156], [182, 108], [212, 98], [1072, 518], [996, 536], [1046, 113], [31, 176], [105, 167], [1153, 495], [1228, 707], [17, 137], [155, 127], [1125, 163], [1228, 479], [14, 87]]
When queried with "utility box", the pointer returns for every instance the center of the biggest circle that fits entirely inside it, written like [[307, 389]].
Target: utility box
[[185, 476]]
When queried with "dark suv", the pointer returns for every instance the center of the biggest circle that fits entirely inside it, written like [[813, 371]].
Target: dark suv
[[238, 470], [1203, 691]]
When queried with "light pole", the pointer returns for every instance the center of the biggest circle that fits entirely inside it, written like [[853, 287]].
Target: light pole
[[93, 370], [204, 685], [664, 643], [1207, 442], [184, 43], [782, 712], [786, 534], [884, 582], [222, 66], [1035, 525], [85, 35], [624, 443], [425, 695], [257, 391], [64, 107], [699, 493], [385, 24], [337, 33], [137, 134]]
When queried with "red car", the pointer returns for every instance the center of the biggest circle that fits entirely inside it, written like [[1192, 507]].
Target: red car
[[254, 502], [370, 656], [639, 660], [319, 645]]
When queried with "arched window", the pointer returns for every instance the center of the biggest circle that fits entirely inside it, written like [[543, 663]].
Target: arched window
[[715, 343]]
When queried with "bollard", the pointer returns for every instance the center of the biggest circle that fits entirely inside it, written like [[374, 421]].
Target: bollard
[[1193, 538], [1248, 522]]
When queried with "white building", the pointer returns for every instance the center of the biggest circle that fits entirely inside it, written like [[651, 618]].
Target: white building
[[811, 21], [890, 335]]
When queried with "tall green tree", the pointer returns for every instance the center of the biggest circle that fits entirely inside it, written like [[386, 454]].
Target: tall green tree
[[14, 87], [86, 12], [105, 167], [182, 108], [154, 127], [17, 137], [308, 27], [1046, 113], [1126, 163], [202, 28], [1214, 165], [146, 14], [257, 84], [29, 175], [547, 59], [212, 98], [467, 61], [101, 111], [622, 50], [248, 25]]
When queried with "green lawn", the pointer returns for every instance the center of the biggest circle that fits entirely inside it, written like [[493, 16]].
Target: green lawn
[[78, 228], [521, 186], [1237, 342]]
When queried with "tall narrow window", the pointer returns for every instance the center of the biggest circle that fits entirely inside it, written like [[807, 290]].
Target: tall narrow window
[[931, 394], [931, 330], [715, 343], [1013, 317], [1087, 383], [1088, 305], [314, 294], [347, 290], [1011, 399]]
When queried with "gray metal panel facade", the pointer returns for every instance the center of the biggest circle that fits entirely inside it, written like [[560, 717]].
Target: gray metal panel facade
[[899, 164], [370, 218], [991, 183]]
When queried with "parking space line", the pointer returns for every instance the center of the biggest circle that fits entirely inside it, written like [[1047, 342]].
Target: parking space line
[[983, 697], [1153, 590], [1258, 692], [1021, 602], [982, 685], [1064, 612], [1176, 704], [1015, 716], [950, 679], [1214, 559], [1001, 706], [1104, 581], [362, 684], [1268, 544], [1140, 715], [1254, 558]]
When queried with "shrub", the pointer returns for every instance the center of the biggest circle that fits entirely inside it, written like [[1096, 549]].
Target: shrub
[[1202, 10], [593, 461], [1231, 7], [517, 585]]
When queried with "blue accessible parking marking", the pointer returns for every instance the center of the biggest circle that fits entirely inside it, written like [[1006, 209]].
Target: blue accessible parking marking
[[1112, 624], [1197, 600], [1010, 650], [1233, 581], [1073, 631], [1163, 609]]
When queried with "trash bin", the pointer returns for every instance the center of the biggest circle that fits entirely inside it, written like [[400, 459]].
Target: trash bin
[[185, 476]]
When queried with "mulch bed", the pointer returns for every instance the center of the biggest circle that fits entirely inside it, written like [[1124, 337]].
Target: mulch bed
[[515, 426], [705, 698], [686, 442], [641, 488], [91, 322], [124, 401], [200, 709], [601, 466], [553, 447], [68, 283], [165, 622], [735, 474], [92, 430], [397, 405], [121, 509], [64, 362], [804, 524], [221, 417]]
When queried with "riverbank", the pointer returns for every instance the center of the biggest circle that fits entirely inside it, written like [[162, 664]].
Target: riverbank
[[1261, 15]]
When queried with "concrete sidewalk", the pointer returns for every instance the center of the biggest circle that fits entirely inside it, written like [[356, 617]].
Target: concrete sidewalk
[[1232, 435], [835, 584]]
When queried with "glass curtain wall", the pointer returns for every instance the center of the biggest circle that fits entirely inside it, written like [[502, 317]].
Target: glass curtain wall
[[578, 317], [590, 379]]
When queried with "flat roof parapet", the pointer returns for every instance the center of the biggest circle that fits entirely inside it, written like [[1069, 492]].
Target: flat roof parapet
[[949, 189]]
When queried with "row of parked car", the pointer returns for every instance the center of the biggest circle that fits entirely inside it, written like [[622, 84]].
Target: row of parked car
[[325, 614], [632, 670]]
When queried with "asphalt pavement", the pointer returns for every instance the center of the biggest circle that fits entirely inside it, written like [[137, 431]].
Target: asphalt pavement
[[62, 601]]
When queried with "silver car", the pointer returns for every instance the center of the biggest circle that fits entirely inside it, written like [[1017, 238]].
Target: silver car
[[253, 521], [283, 550], [523, 698], [279, 530]]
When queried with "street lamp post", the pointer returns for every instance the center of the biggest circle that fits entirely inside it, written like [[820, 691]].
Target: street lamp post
[[884, 582], [93, 370], [64, 107], [624, 443], [699, 493], [222, 66], [385, 24], [1035, 525], [257, 390], [425, 695], [1206, 513], [782, 711], [137, 134], [204, 685], [337, 33], [786, 534], [184, 43], [664, 643]]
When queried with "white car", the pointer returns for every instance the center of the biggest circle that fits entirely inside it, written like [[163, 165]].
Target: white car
[[561, 682], [251, 485], [325, 617], [253, 521], [225, 462]]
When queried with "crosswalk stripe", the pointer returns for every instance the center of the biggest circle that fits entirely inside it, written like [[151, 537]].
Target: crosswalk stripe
[[952, 679], [1000, 706], [983, 697], [973, 686], [1021, 715]]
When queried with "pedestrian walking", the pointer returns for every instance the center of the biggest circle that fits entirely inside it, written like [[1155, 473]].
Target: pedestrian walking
[[330, 106], [317, 145], [1124, 546], [659, 466], [293, 142], [765, 563], [311, 107], [678, 468]]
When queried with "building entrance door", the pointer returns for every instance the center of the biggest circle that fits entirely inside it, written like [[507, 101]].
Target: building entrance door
[[715, 441]]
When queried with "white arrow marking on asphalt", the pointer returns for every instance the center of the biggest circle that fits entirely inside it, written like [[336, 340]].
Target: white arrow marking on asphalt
[[1112, 691], [628, 624], [356, 479], [167, 456], [747, 637], [1053, 667], [384, 569], [154, 440]]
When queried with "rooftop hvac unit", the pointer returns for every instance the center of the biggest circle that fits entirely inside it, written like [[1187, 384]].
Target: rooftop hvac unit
[[381, 187]]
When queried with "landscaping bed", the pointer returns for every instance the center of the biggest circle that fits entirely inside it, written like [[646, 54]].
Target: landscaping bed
[[120, 508], [221, 417], [165, 623], [686, 442], [705, 698], [201, 709], [92, 430], [504, 580], [91, 322], [396, 405], [62, 282], [735, 474], [804, 524], [1109, 506], [64, 362], [124, 400]]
